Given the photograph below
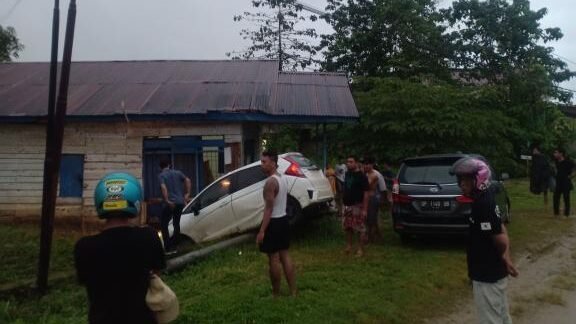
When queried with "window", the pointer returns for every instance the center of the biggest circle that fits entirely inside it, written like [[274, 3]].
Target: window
[[303, 161], [428, 172], [71, 175], [215, 192], [248, 177]]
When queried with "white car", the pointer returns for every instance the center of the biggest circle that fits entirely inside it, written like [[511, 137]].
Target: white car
[[234, 204]]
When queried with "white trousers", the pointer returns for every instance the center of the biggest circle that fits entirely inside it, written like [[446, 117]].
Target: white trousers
[[491, 302]]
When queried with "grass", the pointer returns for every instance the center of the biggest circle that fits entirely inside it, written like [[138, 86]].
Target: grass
[[393, 283]]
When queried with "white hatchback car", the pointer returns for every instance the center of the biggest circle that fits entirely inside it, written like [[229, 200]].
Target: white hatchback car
[[234, 204]]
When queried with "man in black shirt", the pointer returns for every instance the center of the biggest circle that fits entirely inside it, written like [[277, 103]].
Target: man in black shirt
[[564, 170], [355, 199], [539, 174], [488, 253], [115, 265]]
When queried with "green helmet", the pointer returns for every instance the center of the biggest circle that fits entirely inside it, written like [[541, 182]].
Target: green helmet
[[118, 192]]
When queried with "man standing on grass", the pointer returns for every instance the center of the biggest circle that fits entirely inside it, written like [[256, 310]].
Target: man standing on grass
[[564, 174], [176, 188], [274, 235], [488, 254], [377, 188], [355, 199], [115, 265], [539, 174]]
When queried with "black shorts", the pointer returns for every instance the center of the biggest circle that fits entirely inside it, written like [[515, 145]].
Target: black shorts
[[277, 236]]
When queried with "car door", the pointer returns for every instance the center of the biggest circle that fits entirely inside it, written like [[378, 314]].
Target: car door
[[214, 217], [247, 200]]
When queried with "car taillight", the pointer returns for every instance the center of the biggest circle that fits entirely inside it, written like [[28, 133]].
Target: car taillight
[[401, 199], [395, 187], [295, 170], [464, 200]]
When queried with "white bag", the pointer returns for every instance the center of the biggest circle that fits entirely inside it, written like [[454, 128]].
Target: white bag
[[162, 300]]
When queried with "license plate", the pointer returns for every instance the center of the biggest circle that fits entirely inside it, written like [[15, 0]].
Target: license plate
[[435, 204]]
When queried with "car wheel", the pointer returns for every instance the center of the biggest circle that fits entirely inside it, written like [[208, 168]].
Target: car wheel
[[293, 210]]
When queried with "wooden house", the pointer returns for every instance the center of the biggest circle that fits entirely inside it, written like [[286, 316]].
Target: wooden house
[[206, 116]]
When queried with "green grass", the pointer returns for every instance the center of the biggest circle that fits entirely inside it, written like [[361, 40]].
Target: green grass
[[393, 283], [19, 249]]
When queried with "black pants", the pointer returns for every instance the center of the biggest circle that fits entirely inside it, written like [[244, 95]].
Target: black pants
[[174, 215], [566, 194]]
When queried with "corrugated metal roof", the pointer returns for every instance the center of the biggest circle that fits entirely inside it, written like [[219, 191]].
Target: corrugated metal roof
[[177, 88]]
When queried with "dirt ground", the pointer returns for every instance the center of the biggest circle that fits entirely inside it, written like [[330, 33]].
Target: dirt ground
[[545, 290]]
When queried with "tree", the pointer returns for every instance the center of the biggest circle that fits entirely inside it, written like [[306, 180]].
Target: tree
[[400, 38], [278, 35], [9, 44], [501, 41], [405, 117]]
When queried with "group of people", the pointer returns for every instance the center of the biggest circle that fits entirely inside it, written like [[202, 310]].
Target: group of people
[[543, 178], [360, 191], [115, 265]]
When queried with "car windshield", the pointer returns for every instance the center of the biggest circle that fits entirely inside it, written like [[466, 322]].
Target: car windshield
[[427, 172]]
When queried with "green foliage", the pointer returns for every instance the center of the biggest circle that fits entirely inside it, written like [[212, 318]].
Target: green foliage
[[498, 40], [385, 38], [286, 139], [9, 44], [277, 34], [496, 50], [401, 118]]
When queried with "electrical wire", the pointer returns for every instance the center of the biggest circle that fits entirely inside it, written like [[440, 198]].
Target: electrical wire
[[10, 11]]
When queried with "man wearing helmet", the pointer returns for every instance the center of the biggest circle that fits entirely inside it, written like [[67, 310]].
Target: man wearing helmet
[[488, 253], [115, 265]]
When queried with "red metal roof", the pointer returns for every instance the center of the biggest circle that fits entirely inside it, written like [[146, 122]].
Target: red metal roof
[[177, 88]]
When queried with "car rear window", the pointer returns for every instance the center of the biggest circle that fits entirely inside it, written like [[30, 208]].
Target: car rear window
[[427, 172], [303, 161]]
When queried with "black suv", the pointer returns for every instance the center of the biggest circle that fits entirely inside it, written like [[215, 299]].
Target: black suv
[[427, 199]]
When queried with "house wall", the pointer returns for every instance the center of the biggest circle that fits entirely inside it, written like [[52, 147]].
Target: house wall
[[107, 147]]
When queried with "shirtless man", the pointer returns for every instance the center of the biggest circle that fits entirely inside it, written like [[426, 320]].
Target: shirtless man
[[274, 235], [373, 200]]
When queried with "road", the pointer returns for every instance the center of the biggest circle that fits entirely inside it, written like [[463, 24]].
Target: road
[[545, 290]]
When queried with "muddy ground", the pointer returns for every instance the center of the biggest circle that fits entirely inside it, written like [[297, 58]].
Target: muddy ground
[[545, 290]]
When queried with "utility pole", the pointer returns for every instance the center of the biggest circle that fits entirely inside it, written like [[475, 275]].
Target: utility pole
[[281, 22], [54, 139], [280, 52]]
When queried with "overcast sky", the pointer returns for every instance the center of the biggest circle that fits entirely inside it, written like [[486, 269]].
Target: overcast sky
[[183, 29]]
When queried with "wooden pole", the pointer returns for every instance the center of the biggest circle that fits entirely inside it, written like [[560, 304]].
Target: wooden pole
[[54, 155]]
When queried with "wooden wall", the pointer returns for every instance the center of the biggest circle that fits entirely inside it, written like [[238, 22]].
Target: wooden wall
[[106, 147]]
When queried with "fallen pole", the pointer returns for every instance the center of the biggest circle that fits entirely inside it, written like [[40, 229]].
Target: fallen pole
[[182, 261]]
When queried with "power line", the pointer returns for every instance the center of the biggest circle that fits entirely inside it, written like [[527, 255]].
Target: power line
[[10, 11], [565, 89], [310, 8], [564, 58]]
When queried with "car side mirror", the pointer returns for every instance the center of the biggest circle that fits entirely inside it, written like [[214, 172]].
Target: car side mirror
[[196, 209], [505, 176]]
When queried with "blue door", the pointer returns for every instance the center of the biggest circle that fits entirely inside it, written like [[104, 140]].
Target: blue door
[[71, 175]]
